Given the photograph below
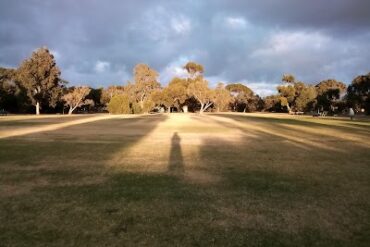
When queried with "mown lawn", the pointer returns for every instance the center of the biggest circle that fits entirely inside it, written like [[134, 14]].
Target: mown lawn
[[184, 180]]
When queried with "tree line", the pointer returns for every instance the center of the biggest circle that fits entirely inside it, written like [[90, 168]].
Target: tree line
[[36, 85]]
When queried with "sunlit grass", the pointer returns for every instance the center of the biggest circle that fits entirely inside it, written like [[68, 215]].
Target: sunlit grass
[[186, 180]]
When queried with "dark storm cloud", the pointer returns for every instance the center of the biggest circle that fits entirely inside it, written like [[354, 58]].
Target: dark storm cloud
[[99, 42]]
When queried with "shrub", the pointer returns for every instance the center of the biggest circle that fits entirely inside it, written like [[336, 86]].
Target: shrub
[[119, 104], [136, 108], [148, 106]]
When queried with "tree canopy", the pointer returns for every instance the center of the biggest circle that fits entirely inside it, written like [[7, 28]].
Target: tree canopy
[[358, 93], [76, 98], [37, 83], [40, 76], [329, 92]]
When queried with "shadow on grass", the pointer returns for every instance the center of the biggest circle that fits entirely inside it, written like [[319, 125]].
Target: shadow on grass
[[255, 204], [141, 209], [82, 150], [314, 137], [345, 125]]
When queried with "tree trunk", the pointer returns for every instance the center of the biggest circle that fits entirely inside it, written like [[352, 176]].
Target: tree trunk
[[245, 109], [288, 107], [169, 110], [185, 109], [70, 111], [207, 105], [201, 108], [37, 108]]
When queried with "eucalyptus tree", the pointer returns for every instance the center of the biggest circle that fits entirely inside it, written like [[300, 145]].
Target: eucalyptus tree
[[358, 93], [76, 98], [40, 76]]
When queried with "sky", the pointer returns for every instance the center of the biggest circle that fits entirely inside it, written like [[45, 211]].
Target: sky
[[98, 42]]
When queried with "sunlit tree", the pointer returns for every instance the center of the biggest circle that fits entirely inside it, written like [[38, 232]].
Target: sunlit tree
[[194, 69], [145, 82], [222, 97], [199, 89], [329, 92], [40, 76], [76, 98]]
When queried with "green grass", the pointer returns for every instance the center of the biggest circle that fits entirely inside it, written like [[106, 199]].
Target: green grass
[[226, 180]]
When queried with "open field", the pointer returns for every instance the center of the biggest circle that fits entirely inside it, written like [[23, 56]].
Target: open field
[[184, 180]]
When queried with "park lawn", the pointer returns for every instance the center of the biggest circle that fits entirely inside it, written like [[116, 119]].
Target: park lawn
[[184, 180]]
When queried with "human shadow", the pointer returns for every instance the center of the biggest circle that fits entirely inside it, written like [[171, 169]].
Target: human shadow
[[176, 163]]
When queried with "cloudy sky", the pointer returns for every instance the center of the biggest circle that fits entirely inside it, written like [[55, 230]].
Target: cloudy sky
[[98, 42]]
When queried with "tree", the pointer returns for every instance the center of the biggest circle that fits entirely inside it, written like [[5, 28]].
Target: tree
[[145, 81], [109, 92], [329, 92], [306, 98], [76, 98], [40, 76], [162, 97], [194, 69], [358, 93], [244, 97], [94, 97], [198, 89], [272, 103], [288, 78], [177, 91], [295, 95], [9, 89], [222, 98], [287, 95]]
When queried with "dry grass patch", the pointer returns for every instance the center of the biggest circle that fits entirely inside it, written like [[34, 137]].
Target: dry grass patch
[[185, 180]]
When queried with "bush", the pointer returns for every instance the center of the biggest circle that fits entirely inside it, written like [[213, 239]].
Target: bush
[[136, 108], [119, 104], [148, 106]]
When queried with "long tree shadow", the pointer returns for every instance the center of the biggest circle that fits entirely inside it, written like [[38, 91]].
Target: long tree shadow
[[74, 155], [276, 186], [176, 162], [296, 132], [362, 127], [258, 203]]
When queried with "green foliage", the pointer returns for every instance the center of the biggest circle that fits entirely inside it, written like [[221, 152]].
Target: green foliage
[[148, 105], [37, 82], [358, 93], [109, 92], [329, 93], [76, 97], [136, 108], [272, 103], [95, 96], [296, 95], [237, 88], [145, 82], [119, 104], [199, 89], [194, 69], [288, 92], [40, 77], [222, 98], [176, 91], [244, 98], [9, 90], [288, 78], [305, 99]]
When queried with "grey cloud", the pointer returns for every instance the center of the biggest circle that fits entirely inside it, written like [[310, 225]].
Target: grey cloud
[[234, 40]]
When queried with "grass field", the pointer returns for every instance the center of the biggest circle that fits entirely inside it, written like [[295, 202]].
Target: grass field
[[184, 180]]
